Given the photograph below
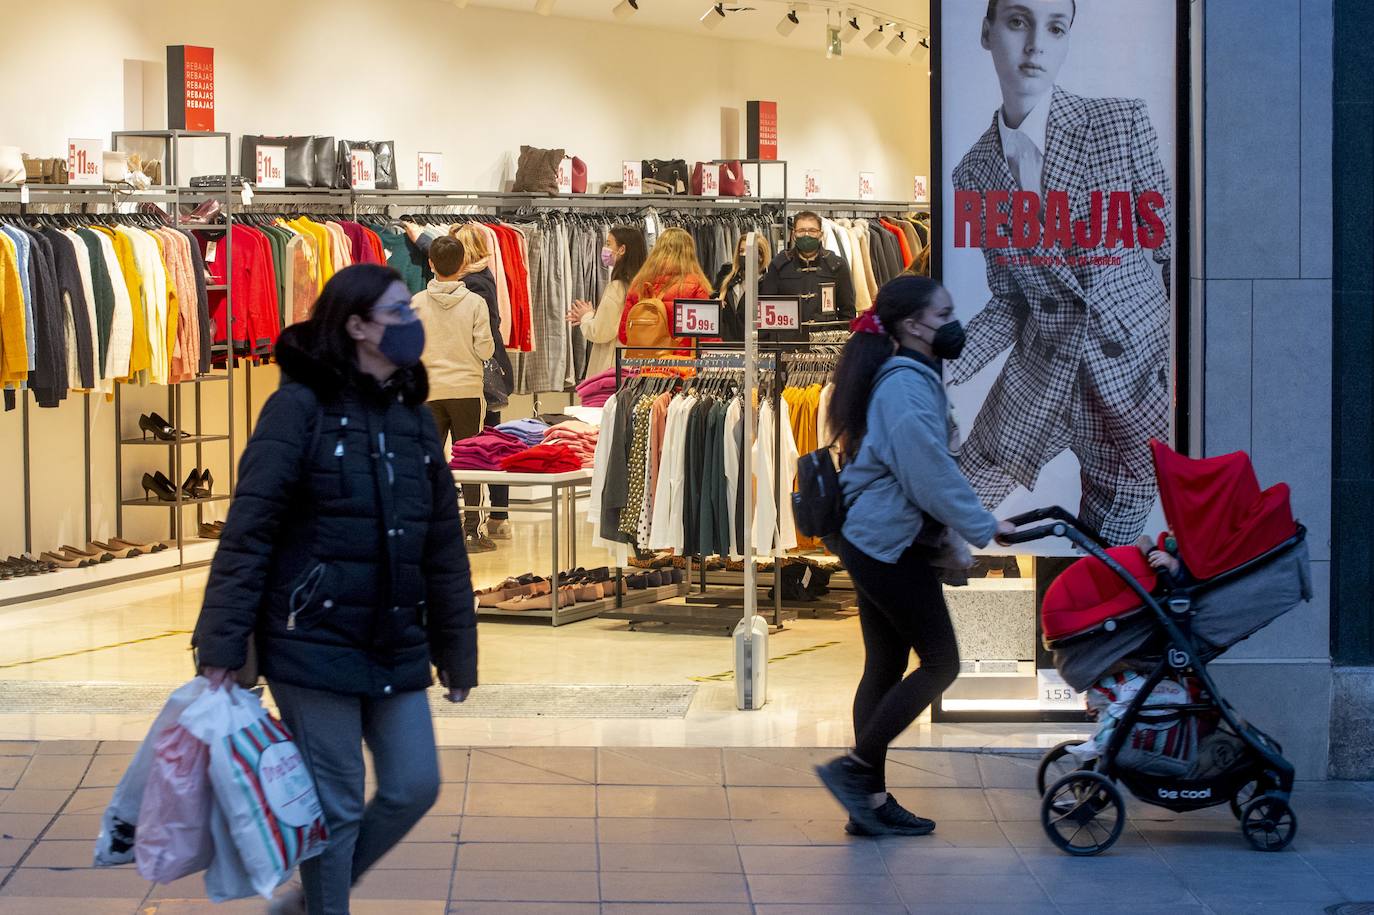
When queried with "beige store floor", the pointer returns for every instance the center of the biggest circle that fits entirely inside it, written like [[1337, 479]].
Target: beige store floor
[[137, 633]]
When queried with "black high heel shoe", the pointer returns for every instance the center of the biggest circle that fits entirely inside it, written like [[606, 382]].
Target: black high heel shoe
[[198, 484], [161, 429], [159, 484]]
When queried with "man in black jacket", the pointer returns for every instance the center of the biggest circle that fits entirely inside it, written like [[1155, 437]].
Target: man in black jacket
[[805, 270]]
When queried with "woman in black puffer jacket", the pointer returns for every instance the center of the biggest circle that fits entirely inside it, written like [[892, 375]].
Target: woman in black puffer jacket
[[342, 557]]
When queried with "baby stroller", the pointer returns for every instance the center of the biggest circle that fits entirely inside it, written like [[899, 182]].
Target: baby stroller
[[1247, 564]]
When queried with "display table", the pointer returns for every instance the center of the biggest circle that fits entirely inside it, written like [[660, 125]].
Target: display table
[[563, 497]]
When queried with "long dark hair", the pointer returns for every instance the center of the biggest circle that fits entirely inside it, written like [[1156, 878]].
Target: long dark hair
[[636, 253], [351, 291], [864, 354]]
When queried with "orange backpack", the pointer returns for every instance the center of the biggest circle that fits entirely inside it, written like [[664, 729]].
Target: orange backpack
[[646, 326]]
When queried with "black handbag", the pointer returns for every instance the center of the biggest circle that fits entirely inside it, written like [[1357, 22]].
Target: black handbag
[[383, 156], [326, 175], [300, 158], [672, 172]]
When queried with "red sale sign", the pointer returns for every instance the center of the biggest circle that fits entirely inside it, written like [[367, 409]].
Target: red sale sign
[[190, 87]]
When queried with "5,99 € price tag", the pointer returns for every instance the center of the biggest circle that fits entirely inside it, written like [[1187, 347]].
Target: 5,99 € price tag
[[696, 318], [778, 313]]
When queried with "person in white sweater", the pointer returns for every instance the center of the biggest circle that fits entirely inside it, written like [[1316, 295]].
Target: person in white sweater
[[457, 342], [623, 254]]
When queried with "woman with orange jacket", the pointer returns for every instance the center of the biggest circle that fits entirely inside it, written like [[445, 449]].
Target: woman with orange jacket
[[672, 272]]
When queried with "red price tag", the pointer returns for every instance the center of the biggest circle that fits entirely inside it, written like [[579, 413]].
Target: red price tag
[[364, 165], [271, 166], [428, 169], [778, 313], [696, 318], [83, 161]]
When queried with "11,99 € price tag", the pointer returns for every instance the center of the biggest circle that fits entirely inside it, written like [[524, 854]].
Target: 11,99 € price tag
[[778, 313], [696, 318]]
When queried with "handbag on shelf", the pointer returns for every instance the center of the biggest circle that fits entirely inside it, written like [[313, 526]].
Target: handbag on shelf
[[579, 176], [672, 172], [300, 158], [114, 166], [732, 180], [383, 162], [45, 171], [537, 170], [12, 169]]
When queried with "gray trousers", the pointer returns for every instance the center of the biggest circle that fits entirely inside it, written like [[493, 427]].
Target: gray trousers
[[330, 729]]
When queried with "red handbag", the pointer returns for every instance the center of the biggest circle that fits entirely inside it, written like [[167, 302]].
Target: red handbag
[[579, 176], [697, 181], [732, 180]]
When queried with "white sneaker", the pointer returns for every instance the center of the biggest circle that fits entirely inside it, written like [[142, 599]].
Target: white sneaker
[[498, 529], [291, 902]]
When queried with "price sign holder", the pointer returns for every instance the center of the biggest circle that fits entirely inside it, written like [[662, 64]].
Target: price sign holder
[[564, 175], [696, 318], [84, 161], [271, 166], [779, 314], [632, 175], [828, 299], [364, 169], [920, 188], [868, 186], [710, 181], [1052, 691], [429, 170], [813, 185]]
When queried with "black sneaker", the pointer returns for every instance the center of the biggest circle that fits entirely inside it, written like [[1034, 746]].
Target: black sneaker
[[896, 820], [852, 783]]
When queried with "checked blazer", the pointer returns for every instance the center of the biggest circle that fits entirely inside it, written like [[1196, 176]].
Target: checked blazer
[[1095, 335]]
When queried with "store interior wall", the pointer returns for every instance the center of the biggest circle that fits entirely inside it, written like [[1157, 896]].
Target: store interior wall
[[474, 84]]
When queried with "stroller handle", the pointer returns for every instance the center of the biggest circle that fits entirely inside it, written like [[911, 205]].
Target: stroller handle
[[1050, 513]]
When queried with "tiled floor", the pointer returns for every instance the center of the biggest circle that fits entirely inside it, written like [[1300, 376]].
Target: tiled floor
[[584, 831]]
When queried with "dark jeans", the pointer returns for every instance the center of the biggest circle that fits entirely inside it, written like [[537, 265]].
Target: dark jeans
[[330, 730], [463, 418], [500, 495], [901, 609]]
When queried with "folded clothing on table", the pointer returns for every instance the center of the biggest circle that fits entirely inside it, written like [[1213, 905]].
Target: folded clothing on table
[[529, 431], [543, 459], [598, 388], [485, 450], [580, 437]]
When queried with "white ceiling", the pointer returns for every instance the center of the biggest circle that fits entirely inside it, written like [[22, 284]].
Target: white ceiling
[[758, 24]]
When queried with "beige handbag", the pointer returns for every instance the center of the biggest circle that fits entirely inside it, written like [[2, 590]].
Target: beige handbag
[[11, 165]]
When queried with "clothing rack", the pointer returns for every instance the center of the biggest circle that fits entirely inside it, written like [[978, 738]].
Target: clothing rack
[[77, 204]]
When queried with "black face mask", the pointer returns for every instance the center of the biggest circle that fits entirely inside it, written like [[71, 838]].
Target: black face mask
[[948, 342]]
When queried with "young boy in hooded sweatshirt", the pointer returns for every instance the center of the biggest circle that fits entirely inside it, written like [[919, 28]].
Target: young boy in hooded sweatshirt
[[457, 341]]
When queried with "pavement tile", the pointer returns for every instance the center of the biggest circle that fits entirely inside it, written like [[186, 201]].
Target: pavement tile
[[34, 800], [203, 907], [784, 804], [833, 889], [89, 800], [971, 862], [927, 889], [1228, 888], [433, 828], [515, 856], [774, 768], [841, 909], [87, 883], [405, 884], [815, 861], [66, 748], [526, 829], [534, 765], [1158, 888], [420, 856], [677, 859], [60, 854], [674, 908], [662, 802], [118, 747], [532, 886], [826, 831], [11, 769], [18, 747], [106, 770], [391, 907], [39, 905], [651, 831], [519, 908], [453, 764], [11, 850], [495, 800], [64, 772], [946, 805], [659, 766], [660, 887], [451, 798], [23, 825], [932, 769]]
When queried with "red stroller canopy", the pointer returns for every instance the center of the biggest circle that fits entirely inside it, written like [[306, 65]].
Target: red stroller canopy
[[1217, 512]]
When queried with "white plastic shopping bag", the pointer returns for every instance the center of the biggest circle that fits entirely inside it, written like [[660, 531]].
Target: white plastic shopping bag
[[174, 822], [261, 785], [115, 844], [226, 877]]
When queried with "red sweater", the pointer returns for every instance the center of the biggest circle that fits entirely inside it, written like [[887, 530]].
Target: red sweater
[[668, 290]]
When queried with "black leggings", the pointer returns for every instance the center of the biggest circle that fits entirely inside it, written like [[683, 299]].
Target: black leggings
[[901, 608]]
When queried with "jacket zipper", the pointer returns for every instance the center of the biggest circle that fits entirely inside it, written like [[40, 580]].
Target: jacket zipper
[[299, 603]]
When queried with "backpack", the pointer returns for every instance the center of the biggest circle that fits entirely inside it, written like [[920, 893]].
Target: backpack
[[646, 326], [818, 504]]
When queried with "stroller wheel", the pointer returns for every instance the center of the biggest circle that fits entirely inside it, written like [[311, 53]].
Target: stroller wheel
[[1244, 796], [1268, 823], [1083, 813], [1056, 764]]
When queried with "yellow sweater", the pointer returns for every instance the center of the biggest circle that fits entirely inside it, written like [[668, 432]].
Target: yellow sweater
[[140, 352], [14, 348]]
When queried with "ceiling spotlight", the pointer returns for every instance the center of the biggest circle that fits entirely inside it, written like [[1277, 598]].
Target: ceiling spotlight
[[875, 38], [789, 23], [850, 29], [898, 44], [625, 9], [713, 16], [544, 7], [922, 48]]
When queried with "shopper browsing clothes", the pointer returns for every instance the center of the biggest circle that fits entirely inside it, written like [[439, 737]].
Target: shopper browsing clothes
[[623, 253], [458, 329], [671, 272], [729, 288], [811, 273], [906, 501], [341, 558]]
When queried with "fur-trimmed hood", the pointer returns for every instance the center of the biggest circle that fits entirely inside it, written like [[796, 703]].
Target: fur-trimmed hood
[[299, 355]]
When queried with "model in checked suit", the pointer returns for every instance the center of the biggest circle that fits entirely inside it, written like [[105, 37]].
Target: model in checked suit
[[1090, 341]]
